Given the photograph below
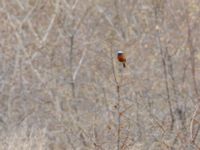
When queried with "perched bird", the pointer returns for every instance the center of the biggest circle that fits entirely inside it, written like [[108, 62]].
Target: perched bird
[[121, 58]]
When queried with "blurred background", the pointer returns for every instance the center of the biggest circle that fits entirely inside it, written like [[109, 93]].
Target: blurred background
[[62, 88]]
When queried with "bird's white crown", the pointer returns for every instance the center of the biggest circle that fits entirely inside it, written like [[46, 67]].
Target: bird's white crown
[[119, 52]]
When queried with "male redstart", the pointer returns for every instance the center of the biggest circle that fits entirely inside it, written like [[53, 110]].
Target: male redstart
[[121, 58]]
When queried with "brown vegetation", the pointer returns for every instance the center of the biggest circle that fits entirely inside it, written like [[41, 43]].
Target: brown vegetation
[[62, 87]]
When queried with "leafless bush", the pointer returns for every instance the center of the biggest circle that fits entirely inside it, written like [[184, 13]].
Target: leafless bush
[[62, 88]]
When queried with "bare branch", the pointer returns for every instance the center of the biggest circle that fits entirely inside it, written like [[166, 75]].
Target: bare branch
[[100, 10], [79, 65], [52, 21]]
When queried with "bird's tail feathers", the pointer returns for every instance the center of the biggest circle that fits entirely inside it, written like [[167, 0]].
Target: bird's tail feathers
[[124, 65]]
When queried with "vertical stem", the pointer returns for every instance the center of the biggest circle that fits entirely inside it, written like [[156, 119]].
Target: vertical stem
[[118, 119], [192, 57], [171, 74], [71, 65], [118, 103], [53, 87], [167, 86], [139, 133], [193, 71], [164, 68]]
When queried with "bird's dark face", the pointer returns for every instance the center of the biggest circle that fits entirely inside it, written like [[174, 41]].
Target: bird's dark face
[[119, 53]]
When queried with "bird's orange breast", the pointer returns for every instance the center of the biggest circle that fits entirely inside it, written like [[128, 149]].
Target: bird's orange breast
[[121, 58]]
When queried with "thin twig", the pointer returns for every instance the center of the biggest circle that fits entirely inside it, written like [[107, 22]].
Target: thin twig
[[118, 102], [52, 21], [192, 124], [162, 55], [99, 9], [79, 65]]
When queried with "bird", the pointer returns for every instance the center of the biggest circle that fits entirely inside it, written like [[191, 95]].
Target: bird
[[121, 57]]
